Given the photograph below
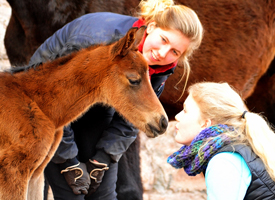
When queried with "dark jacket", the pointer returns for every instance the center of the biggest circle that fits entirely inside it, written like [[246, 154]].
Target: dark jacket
[[261, 186], [89, 29]]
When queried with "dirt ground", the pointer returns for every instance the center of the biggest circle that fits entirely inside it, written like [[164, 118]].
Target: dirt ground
[[160, 180]]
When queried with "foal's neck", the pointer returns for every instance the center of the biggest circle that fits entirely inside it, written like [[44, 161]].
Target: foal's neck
[[68, 86]]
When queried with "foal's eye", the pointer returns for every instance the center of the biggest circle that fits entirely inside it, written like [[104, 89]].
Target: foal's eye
[[134, 82]]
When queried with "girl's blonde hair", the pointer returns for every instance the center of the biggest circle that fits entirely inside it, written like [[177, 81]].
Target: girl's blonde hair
[[223, 105], [167, 16]]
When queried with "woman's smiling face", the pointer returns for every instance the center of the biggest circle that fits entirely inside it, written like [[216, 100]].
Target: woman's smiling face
[[163, 47]]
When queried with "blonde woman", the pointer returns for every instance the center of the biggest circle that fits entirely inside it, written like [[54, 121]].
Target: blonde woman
[[86, 160], [232, 146]]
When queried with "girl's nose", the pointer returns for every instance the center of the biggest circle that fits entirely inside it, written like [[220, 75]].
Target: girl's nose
[[163, 51], [177, 117]]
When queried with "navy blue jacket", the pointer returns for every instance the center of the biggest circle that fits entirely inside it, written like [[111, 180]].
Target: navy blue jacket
[[89, 29]]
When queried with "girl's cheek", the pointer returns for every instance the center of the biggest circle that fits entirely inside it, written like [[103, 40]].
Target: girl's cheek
[[173, 58], [169, 59]]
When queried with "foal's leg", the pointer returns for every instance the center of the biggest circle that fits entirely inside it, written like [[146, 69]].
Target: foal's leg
[[36, 183], [13, 190], [22, 150], [36, 188], [55, 143]]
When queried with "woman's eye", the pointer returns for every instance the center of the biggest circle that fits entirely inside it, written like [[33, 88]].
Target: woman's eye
[[163, 39], [134, 82], [175, 52]]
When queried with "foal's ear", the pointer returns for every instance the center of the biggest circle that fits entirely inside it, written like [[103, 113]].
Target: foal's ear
[[129, 42], [138, 37]]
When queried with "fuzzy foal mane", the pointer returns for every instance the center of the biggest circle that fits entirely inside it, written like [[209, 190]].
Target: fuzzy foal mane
[[61, 58], [64, 55]]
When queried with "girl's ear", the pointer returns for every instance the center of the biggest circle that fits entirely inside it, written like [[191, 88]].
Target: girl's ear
[[150, 27], [207, 123]]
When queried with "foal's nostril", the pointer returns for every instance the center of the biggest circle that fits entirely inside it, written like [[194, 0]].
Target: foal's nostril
[[163, 124], [158, 130]]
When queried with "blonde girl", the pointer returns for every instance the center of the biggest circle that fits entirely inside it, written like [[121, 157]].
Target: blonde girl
[[165, 15], [232, 146]]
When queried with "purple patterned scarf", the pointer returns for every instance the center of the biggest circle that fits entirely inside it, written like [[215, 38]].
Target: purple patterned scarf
[[187, 157]]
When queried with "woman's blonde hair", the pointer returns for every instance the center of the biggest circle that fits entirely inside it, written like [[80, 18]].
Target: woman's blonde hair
[[167, 16], [223, 105]]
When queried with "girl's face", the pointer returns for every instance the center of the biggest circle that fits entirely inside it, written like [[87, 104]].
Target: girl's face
[[163, 47], [190, 122]]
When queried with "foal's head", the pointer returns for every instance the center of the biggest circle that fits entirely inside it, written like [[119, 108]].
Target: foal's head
[[128, 88]]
